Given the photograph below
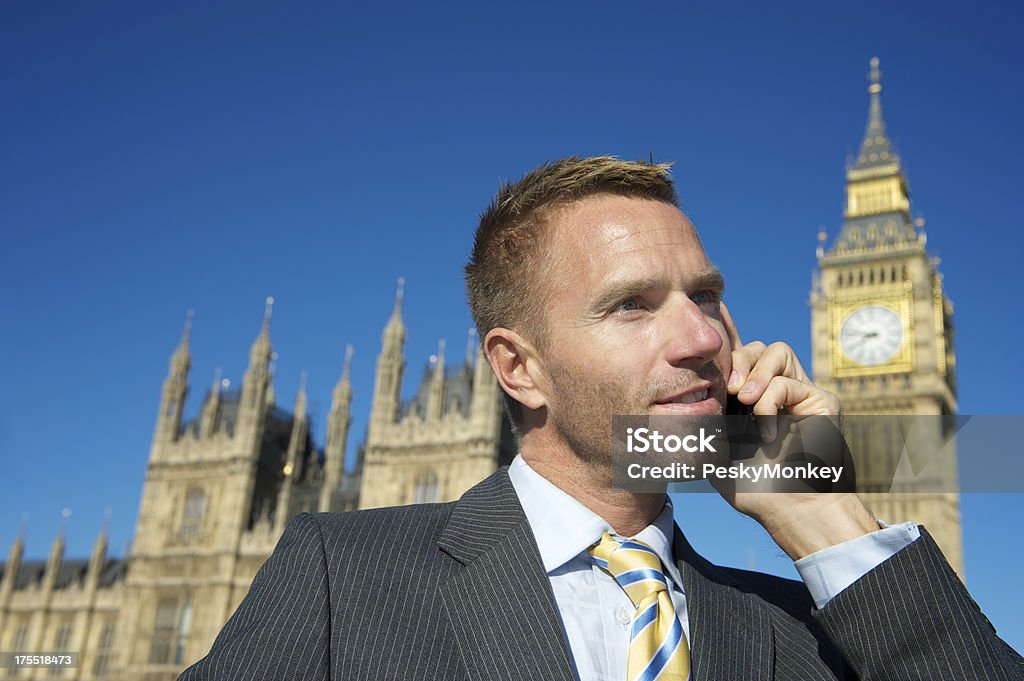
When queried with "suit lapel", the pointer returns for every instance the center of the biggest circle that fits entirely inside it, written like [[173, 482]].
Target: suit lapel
[[731, 634], [506, 622], [500, 604]]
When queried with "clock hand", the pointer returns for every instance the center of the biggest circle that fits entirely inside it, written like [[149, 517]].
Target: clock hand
[[856, 343]]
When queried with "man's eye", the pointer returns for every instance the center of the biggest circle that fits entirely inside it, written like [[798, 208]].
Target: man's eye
[[628, 305], [702, 297]]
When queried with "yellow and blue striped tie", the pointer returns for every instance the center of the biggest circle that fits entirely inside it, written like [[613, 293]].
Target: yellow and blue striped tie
[[657, 646]]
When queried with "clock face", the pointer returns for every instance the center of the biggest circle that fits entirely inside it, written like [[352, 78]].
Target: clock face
[[871, 335]]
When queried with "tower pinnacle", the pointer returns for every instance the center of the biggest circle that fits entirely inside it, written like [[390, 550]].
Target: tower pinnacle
[[257, 393], [875, 75], [876, 150], [390, 364], [181, 360], [877, 215], [267, 311], [435, 398], [394, 331], [261, 349], [175, 388], [348, 362], [300, 398]]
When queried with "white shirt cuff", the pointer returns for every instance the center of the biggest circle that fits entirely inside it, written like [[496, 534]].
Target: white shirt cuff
[[829, 571]]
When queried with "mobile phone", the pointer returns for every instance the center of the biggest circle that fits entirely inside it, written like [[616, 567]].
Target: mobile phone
[[733, 407]]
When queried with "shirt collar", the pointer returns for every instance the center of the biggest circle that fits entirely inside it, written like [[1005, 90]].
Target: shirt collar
[[564, 528]]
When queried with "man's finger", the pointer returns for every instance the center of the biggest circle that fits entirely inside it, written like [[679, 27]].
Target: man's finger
[[778, 359], [794, 397], [733, 333], [743, 360]]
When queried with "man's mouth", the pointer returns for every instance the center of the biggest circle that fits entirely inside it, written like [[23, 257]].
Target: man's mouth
[[691, 402], [688, 398]]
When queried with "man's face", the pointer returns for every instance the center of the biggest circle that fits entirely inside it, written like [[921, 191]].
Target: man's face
[[633, 316]]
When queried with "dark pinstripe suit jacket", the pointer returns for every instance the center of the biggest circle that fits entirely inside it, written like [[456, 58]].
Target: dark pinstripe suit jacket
[[458, 591]]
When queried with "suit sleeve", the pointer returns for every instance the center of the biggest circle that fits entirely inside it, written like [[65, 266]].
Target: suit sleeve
[[912, 618], [281, 630]]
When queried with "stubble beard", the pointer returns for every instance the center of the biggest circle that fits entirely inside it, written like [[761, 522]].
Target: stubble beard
[[582, 413]]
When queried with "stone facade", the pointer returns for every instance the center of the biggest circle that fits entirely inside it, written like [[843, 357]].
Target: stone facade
[[219, 491]]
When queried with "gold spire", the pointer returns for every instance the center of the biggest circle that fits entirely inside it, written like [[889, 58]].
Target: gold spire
[[100, 545], [343, 390], [876, 150], [348, 362], [300, 398], [435, 397], [19, 540], [261, 347], [875, 76], [267, 312], [440, 353], [875, 183], [65, 516], [57, 548], [394, 331], [182, 359]]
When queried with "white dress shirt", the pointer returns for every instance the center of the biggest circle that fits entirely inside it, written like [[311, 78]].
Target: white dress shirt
[[596, 612]]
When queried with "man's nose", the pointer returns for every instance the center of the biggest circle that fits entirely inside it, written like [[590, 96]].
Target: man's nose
[[691, 334]]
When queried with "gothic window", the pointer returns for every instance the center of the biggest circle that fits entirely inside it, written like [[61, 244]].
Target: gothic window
[[20, 642], [103, 650], [21, 638], [61, 644], [427, 490], [192, 514], [170, 630], [184, 624]]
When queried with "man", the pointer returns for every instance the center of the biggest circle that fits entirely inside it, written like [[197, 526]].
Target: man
[[593, 297]]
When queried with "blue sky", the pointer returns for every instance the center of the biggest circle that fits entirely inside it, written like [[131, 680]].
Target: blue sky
[[162, 157]]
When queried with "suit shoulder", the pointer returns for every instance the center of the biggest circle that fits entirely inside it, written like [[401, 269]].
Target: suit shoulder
[[385, 516], [409, 526]]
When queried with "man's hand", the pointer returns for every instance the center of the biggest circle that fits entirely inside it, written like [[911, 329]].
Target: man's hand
[[771, 380]]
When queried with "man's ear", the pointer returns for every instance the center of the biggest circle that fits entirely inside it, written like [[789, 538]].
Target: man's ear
[[514, 362], [730, 327]]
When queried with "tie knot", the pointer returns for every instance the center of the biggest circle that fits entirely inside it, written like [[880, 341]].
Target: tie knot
[[633, 564]]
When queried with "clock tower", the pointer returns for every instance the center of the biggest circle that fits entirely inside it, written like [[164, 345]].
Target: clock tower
[[881, 338]]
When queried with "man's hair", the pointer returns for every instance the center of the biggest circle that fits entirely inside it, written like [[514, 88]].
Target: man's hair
[[509, 248]]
